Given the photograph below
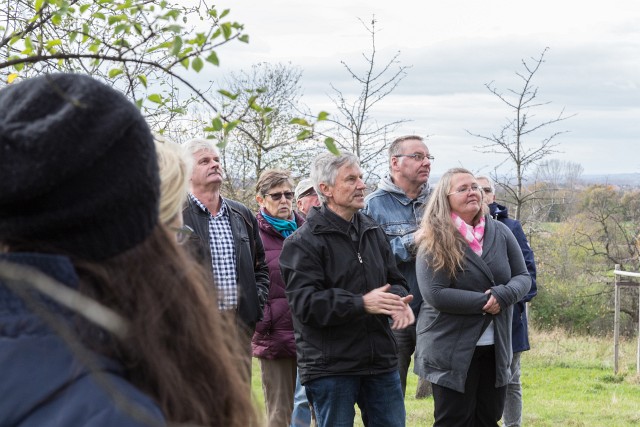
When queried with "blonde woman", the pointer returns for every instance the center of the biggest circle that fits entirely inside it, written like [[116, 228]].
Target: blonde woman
[[470, 272]]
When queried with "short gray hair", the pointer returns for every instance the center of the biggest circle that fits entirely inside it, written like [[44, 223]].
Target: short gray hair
[[489, 180], [194, 145], [396, 146], [324, 169]]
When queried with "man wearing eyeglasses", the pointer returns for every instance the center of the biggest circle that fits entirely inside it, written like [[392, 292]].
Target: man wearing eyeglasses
[[227, 240], [397, 205], [512, 416]]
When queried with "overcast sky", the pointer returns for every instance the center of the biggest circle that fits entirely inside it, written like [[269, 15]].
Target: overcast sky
[[592, 68]]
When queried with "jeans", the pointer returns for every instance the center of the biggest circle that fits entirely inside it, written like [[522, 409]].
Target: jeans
[[512, 416], [301, 416], [379, 398]]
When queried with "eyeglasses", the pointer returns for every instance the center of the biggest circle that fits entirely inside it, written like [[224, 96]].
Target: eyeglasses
[[487, 189], [465, 189], [416, 156], [277, 196], [183, 233]]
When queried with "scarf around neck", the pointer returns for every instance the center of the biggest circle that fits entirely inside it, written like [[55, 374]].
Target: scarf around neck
[[473, 235], [286, 227]]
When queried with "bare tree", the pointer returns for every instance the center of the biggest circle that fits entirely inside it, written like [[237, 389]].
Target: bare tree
[[264, 137], [514, 137], [354, 128]]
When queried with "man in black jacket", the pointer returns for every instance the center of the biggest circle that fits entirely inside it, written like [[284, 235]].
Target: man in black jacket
[[226, 238], [346, 294]]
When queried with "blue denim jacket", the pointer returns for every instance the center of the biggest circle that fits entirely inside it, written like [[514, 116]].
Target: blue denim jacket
[[399, 217]]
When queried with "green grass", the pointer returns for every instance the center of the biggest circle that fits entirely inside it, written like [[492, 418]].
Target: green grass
[[567, 381]]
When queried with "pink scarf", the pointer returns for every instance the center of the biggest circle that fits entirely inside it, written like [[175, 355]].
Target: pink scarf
[[473, 235]]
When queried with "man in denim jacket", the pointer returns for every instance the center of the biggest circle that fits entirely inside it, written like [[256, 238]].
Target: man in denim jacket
[[397, 205]]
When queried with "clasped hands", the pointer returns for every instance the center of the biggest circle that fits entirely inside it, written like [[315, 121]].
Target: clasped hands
[[492, 306], [381, 301]]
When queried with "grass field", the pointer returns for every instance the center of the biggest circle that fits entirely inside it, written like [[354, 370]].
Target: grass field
[[567, 381]]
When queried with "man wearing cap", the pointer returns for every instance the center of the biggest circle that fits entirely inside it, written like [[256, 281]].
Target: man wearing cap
[[306, 196], [226, 236], [397, 205]]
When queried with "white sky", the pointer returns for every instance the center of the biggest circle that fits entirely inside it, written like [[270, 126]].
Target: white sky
[[592, 68]]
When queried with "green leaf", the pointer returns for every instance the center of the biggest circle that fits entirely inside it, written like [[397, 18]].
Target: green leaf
[[114, 72], [224, 13], [139, 103], [226, 30], [229, 126], [304, 134], [84, 8], [228, 94], [143, 79], [177, 46], [216, 124], [197, 64], [244, 38], [56, 19], [98, 15], [331, 146], [72, 36], [38, 5], [322, 116], [155, 98], [213, 58], [299, 121], [185, 63]]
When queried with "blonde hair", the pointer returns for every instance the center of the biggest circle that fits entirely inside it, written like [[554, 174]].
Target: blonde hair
[[175, 170], [439, 240]]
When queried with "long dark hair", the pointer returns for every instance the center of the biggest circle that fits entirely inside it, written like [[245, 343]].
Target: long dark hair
[[178, 348]]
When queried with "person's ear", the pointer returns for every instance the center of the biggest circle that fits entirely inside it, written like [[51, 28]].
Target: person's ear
[[260, 200], [326, 190]]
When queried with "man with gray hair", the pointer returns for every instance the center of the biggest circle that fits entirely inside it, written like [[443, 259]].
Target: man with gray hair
[[397, 205], [343, 287], [227, 240]]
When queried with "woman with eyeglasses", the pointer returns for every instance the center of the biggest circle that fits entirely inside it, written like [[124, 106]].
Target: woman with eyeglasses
[[273, 342], [470, 272]]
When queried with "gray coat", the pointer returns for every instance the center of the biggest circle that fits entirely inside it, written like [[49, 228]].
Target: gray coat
[[451, 319]]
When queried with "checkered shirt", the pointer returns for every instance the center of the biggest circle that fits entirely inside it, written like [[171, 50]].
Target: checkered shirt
[[223, 255]]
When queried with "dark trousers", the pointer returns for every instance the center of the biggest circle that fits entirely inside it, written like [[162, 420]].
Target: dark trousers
[[481, 404]]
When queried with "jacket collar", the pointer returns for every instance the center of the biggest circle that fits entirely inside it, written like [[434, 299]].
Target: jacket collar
[[387, 184], [319, 221]]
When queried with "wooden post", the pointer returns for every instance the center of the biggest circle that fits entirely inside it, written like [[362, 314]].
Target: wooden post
[[616, 322]]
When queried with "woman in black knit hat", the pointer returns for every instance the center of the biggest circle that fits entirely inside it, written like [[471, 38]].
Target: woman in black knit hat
[[79, 195]]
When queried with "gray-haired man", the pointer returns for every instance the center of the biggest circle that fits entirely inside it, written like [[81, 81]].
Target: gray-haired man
[[343, 286]]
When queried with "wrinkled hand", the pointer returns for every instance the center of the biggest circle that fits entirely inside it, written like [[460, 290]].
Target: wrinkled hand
[[380, 301], [492, 306], [405, 317]]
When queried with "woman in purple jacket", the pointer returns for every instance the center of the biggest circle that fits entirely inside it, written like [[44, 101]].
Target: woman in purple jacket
[[273, 342]]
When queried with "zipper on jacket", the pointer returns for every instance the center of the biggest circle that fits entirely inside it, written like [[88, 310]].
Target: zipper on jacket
[[359, 257]]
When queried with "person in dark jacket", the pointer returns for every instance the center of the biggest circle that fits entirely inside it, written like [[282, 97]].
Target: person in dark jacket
[[470, 271], [227, 241], [273, 342], [105, 320], [512, 416], [397, 205], [346, 294]]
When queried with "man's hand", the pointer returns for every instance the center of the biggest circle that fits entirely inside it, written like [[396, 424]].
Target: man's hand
[[405, 317], [379, 301], [492, 306]]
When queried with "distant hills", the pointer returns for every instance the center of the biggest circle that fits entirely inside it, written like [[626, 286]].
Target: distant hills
[[620, 179]]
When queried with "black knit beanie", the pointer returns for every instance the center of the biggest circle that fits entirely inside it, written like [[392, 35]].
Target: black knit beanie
[[78, 169]]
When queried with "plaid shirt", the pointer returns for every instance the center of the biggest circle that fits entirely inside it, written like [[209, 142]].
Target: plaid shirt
[[223, 255]]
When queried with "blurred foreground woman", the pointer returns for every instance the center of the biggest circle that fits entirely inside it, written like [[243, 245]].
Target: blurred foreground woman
[[79, 197]]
